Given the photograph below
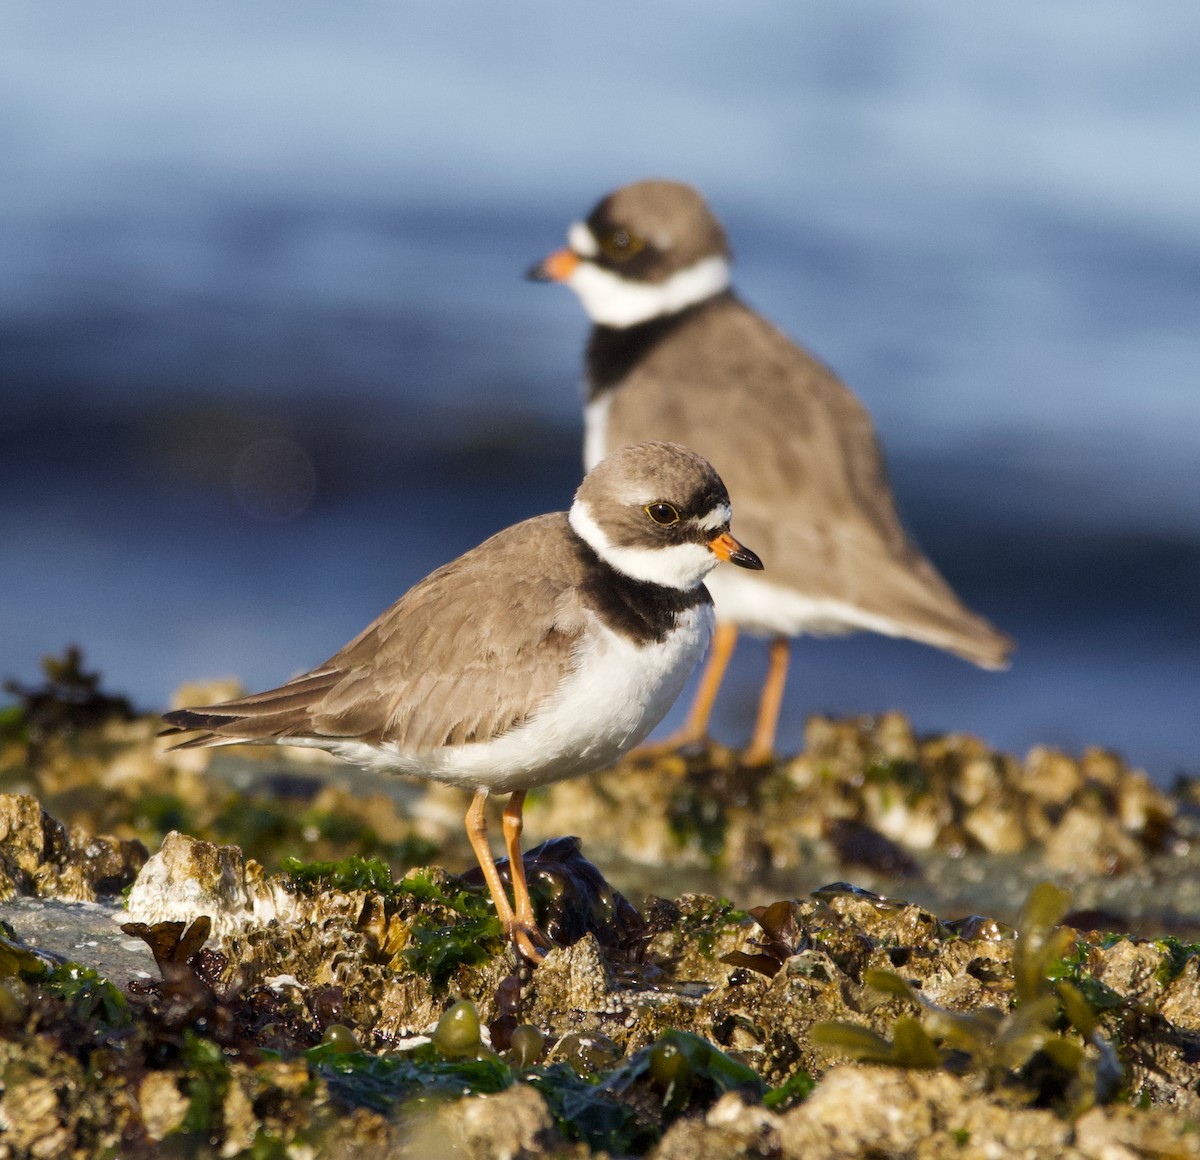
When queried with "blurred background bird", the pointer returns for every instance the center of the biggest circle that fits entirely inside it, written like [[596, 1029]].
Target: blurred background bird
[[675, 354]]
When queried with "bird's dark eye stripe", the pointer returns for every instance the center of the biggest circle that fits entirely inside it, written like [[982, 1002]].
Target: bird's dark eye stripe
[[662, 513]]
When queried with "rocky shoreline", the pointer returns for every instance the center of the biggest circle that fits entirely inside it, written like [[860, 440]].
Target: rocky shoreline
[[931, 950]]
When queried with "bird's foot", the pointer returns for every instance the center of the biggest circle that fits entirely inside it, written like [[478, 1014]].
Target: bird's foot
[[530, 943], [757, 757]]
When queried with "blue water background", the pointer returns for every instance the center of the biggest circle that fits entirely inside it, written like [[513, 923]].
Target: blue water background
[[231, 223]]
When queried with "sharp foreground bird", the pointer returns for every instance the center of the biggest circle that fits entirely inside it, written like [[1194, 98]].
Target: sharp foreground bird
[[546, 652]]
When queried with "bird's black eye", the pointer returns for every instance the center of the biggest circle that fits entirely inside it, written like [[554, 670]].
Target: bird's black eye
[[620, 245], [662, 513]]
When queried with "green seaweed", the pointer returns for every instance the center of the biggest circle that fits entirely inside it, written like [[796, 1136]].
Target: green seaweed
[[208, 1081], [431, 885], [455, 925], [902, 773], [678, 1073], [910, 1046], [13, 723], [1069, 970], [456, 928], [696, 816], [18, 959], [385, 1083], [1176, 954], [1042, 942], [93, 999], [794, 1090], [352, 873], [584, 1109], [439, 949]]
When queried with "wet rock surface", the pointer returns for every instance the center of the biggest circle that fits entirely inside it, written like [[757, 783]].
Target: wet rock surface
[[293, 973]]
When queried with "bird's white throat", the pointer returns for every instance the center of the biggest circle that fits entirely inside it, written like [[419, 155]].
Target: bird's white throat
[[611, 300], [681, 566]]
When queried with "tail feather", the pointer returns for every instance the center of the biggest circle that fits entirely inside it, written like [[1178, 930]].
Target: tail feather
[[975, 640], [202, 739], [264, 717]]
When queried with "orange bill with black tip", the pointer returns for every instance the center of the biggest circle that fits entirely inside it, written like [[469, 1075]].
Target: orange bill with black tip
[[725, 547], [556, 267]]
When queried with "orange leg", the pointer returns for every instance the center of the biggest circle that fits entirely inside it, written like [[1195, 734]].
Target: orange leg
[[477, 836], [529, 939], [695, 729], [762, 744]]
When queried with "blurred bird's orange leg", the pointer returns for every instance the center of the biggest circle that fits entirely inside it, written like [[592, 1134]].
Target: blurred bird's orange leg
[[695, 729], [529, 939], [762, 744]]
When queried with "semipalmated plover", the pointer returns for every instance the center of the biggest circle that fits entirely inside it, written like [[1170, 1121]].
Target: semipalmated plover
[[674, 354], [546, 652]]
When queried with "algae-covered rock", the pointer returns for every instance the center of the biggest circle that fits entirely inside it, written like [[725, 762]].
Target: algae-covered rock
[[704, 1038], [318, 989]]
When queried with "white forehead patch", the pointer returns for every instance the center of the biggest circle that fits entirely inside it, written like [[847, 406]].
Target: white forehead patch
[[582, 241], [681, 566], [717, 518], [611, 300]]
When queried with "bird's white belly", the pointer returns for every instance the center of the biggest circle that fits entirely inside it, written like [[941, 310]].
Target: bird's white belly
[[617, 693], [757, 606], [747, 599], [595, 430]]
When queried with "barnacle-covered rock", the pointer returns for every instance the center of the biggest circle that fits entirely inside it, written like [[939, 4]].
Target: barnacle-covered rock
[[875, 1111], [1180, 999], [1131, 969], [733, 1128], [1123, 1131], [163, 1105], [576, 979], [1089, 841], [42, 857], [515, 1123], [188, 878], [864, 776]]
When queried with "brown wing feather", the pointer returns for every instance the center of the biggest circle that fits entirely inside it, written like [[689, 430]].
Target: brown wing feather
[[465, 655], [816, 506]]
